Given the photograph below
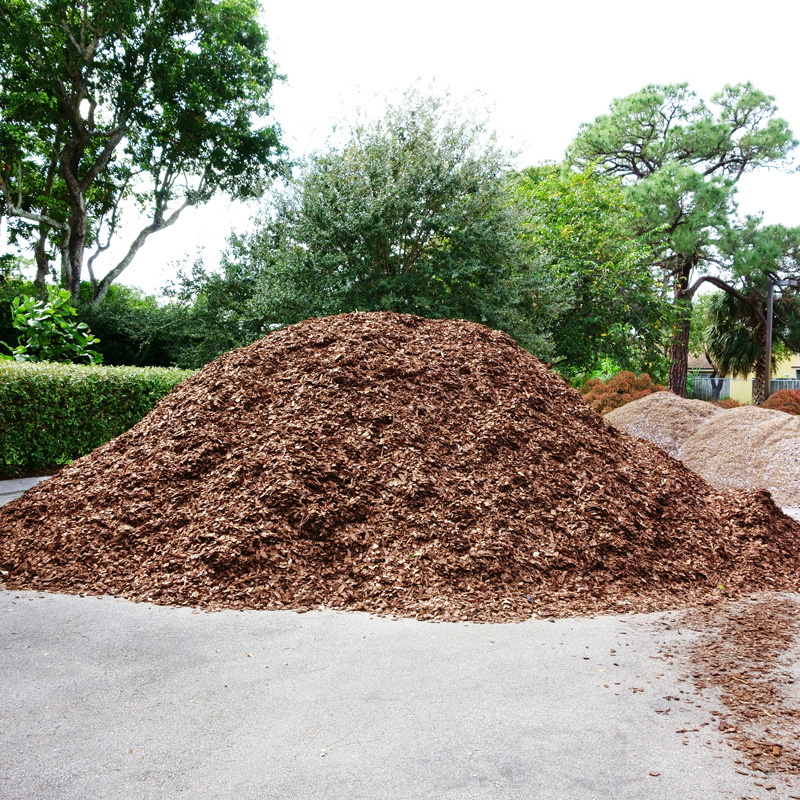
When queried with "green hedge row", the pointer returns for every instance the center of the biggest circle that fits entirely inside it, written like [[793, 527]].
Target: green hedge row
[[51, 414]]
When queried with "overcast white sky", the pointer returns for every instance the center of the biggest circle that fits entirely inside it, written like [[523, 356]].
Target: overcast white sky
[[544, 68]]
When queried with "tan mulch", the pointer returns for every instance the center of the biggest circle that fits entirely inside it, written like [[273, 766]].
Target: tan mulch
[[664, 419], [397, 465], [749, 447]]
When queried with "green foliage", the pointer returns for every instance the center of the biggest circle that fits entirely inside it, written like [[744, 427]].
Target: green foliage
[[624, 387], [735, 329], [409, 214], [734, 335], [579, 234], [218, 312], [162, 101], [10, 288], [48, 333], [681, 159], [135, 329], [700, 319], [51, 414]]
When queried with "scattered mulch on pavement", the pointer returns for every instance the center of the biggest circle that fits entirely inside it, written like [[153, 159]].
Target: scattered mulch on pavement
[[744, 657], [749, 447], [664, 419], [397, 465]]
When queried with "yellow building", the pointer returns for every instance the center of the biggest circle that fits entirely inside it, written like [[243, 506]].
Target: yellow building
[[741, 389]]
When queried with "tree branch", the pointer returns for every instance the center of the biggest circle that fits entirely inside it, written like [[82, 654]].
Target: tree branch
[[726, 287], [153, 227]]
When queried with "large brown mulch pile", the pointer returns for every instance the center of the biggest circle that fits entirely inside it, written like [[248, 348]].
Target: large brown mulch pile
[[397, 465]]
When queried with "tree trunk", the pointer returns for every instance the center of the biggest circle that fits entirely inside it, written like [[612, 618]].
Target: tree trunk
[[760, 369], [42, 259], [679, 352], [679, 346], [77, 246]]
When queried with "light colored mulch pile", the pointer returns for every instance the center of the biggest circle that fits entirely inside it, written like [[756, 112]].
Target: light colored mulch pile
[[749, 447], [738, 448], [664, 419]]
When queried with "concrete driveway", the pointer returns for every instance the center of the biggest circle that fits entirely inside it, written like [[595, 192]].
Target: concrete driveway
[[104, 698]]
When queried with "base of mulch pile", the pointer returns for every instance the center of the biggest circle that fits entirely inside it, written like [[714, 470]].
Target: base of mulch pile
[[392, 464]]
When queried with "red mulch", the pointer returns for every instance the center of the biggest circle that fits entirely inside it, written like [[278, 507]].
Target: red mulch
[[397, 465]]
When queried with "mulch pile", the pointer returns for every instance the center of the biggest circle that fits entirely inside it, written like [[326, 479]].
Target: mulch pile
[[749, 447], [664, 419], [397, 465]]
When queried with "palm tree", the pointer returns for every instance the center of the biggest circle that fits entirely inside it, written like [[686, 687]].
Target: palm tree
[[736, 333], [736, 336]]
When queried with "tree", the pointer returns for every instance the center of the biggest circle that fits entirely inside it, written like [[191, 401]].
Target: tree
[[681, 159], [410, 213], [101, 101], [736, 323], [578, 229]]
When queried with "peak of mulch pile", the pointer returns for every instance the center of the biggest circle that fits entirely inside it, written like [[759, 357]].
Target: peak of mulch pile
[[397, 465]]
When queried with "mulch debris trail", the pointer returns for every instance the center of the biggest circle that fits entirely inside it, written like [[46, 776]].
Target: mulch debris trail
[[397, 465], [743, 661]]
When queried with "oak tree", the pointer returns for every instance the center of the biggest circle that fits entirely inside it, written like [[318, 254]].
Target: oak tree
[[163, 102]]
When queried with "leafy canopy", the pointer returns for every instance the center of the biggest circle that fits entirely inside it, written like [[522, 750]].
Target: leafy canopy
[[681, 159], [579, 232], [163, 101], [409, 213]]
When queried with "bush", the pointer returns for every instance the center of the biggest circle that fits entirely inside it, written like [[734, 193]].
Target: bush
[[48, 331], [9, 289], [787, 400], [624, 387], [51, 414], [134, 330], [728, 403]]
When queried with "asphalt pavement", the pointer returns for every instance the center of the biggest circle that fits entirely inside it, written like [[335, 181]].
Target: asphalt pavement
[[15, 488], [105, 698]]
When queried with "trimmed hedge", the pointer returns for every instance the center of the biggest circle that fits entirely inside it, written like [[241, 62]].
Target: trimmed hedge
[[51, 413]]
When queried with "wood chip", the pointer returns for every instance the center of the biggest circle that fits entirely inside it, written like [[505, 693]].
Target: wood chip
[[402, 466]]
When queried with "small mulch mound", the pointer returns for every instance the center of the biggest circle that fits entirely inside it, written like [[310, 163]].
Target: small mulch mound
[[664, 419], [749, 447], [392, 464]]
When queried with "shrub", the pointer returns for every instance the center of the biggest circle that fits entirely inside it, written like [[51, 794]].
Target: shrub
[[51, 414], [48, 332], [624, 387], [9, 289], [728, 403], [787, 400]]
